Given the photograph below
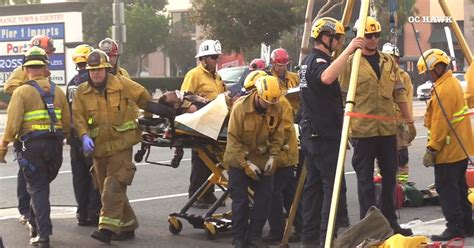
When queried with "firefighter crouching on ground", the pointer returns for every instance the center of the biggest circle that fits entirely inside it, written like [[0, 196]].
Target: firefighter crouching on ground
[[87, 197], [104, 119], [203, 81], [405, 133], [378, 90], [17, 78], [38, 120], [443, 150], [110, 47], [254, 141]]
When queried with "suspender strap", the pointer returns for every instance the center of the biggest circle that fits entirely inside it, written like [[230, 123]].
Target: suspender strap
[[48, 100]]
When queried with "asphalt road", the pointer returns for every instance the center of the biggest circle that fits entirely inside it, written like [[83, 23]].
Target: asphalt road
[[158, 191]]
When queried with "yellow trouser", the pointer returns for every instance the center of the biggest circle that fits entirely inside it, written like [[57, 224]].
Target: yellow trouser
[[112, 176]]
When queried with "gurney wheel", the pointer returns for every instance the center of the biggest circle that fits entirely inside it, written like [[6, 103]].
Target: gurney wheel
[[210, 230], [139, 156], [175, 226]]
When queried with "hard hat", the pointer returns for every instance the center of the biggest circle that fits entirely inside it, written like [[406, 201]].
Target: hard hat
[[109, 46], [209, 47], [257, 64], [371, 25], [44, 42], [280, 56], [97, 59], [250, 80], [268, 89], [80, 53], [432, 57], [35, 56], [329, 25], [391, 49]]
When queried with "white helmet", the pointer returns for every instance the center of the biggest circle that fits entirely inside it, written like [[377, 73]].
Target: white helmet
[[209, 47], [391, 49]]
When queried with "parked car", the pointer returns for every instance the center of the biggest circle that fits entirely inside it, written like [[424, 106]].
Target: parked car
[[423, 92], [234, 77]]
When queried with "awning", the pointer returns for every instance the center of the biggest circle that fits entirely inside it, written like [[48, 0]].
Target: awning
[[439, 36]]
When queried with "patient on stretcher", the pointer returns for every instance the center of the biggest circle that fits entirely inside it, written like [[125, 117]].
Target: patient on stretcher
[[182, 103]]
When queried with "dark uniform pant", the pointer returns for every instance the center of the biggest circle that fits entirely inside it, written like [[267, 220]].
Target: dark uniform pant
[[40, 163], [321, 162], [199, 174], [87, 197], [22, 195], [284, 187], [450, 181], [238, 188], [384, 148]]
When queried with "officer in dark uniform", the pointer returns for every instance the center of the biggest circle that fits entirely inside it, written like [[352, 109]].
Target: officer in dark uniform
[[321, 125], [87, 197], [38, 119]]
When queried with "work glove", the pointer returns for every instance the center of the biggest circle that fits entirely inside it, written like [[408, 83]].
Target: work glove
[[270, 166], [3, 153], [411, 131], [87, 144], [429, 158], [252, 170]]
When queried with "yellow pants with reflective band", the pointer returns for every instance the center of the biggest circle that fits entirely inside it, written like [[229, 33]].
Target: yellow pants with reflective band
[[112, 174]]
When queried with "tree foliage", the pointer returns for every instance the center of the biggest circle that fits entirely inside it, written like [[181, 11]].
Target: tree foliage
[[181, 49], [146, 31], [244, 24]]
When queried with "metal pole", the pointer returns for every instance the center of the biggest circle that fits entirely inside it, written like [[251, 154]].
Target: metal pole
[[346, 18], [308, 23], [364, 9], [457, 32], [118, 28]]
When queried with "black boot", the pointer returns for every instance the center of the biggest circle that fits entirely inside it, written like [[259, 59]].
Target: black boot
[[103, 235], [42, 242], [124, 235], [447, 235], [239, 244], [403, 231]]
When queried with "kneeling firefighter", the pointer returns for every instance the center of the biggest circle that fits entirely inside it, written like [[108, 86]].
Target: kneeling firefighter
[[38, 120]]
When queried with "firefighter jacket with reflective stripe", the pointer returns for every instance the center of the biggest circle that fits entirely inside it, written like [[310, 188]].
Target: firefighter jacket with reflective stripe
[[17, 78], [108, 116], [375, 96], [441, 137], [252, 136], [289, 150], [200, 81], [292, 80], [27, 112]]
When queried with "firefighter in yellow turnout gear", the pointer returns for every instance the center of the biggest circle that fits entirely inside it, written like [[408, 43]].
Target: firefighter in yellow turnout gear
[[443, 150], [37, 122], [104, 118], [254, 141]]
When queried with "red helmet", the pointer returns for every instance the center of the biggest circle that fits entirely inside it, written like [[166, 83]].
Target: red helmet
[[44, 42], [279, 56], [257, 64], [109, 46]]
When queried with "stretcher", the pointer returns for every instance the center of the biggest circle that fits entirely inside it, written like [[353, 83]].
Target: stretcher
[[162, 131]]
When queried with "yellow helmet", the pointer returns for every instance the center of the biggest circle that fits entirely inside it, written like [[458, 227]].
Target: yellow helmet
[[432, 57], [252, 77], [97, 59], [268, 89], [371, 25], [327, 24], [35, 56], [80, 53]]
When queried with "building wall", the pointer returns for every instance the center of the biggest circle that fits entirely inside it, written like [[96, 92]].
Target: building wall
[[424, 31]]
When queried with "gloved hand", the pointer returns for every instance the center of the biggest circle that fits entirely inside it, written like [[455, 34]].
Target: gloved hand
[[252, 170], [87, 144], [429, 158], [270, 166], [3, 153], [411, 131]]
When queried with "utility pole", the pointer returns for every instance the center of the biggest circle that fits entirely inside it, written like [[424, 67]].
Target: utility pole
[[119, 31], [308, 24]]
